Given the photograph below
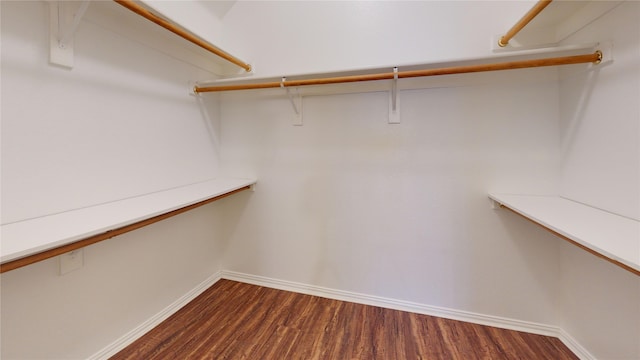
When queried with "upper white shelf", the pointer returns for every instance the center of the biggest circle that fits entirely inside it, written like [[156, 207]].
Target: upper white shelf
[[407, 83], [615, 237], [557, 22], [116, 18], [33, 236]]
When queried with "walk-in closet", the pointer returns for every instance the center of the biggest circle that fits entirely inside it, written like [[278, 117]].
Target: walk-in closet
[[320, 179]]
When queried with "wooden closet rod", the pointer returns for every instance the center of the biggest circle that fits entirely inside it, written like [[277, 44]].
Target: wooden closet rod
[[595, 57], [535, 10], [28, 260], [185, 34]]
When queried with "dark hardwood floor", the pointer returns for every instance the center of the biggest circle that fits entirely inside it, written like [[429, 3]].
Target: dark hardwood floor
[[233, 320]]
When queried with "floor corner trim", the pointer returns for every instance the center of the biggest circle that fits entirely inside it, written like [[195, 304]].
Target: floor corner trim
[[155, 320], [575, 346]]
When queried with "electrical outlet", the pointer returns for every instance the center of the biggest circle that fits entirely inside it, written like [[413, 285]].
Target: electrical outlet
[[71, 261]]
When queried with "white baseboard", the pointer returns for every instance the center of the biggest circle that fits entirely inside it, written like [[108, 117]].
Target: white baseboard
[[482, 319], [152, 322], [575, 346]]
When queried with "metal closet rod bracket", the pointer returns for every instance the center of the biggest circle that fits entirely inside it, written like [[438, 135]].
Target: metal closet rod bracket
[[394, 107], [605, 53], [296, 102]]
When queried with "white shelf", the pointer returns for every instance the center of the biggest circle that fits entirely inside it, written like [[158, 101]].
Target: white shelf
[[615, 237], [562, 18], [115, 18], [33, 236], [555, 23], [503, 56]]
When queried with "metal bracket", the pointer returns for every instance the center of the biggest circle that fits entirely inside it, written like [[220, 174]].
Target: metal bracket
[[606, 49], [192, 88], [394, 104], [64, 19], [296, 102]]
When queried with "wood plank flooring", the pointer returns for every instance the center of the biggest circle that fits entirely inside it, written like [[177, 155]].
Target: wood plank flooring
[[233, 320]]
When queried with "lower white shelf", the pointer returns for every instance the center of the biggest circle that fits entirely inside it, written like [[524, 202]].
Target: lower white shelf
[[29, 237], [611, 236]]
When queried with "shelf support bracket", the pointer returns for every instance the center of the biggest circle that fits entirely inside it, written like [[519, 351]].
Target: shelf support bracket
[[64, 19], [495, 205], [296, 102], [394, 107]]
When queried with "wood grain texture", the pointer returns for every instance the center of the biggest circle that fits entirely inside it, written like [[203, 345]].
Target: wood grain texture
[[509, 65], [182, 32], [526, 19], [233, 320]]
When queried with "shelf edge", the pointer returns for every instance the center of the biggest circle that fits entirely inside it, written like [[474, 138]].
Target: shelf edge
[[19, 259], [591, 248]]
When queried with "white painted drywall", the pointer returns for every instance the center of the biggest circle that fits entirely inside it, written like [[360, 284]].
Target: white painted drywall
[[349, 202], [599, 305], [292, 37], [346, 201], [120, 123], [601, 119], [352, 203], [600, 133], [124, 281], [202, 18]]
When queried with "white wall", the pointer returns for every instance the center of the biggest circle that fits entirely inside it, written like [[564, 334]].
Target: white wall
[[346, 201], [601, 119], [203, 18], [119, 124], [291, 37], [600, 132], [124, 281], [350, 202]]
